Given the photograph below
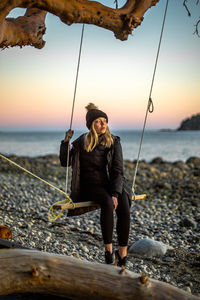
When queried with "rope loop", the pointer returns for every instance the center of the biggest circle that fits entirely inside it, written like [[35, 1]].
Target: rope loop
[[51, 214], [73, 205], [150, 105]]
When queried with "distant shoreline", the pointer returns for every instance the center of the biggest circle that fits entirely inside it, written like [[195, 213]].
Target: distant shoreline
[[49, 157], [170, 145], [12, 130]]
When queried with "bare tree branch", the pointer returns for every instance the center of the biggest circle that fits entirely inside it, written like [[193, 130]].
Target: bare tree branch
[[23, 31], [197, 28], [186, 7], [189, 14]]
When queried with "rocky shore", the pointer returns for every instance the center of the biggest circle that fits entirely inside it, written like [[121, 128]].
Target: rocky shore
[[170, 213]]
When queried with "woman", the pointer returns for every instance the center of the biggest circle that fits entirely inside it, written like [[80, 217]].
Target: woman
[[97, 175]]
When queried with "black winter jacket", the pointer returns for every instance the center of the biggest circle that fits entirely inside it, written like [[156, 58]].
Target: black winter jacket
[[114, 166]]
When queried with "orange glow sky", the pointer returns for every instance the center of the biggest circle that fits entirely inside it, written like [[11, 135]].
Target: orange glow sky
[[37, 85]]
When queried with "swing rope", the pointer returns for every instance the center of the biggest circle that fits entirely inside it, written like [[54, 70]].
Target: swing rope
[[32, 174], [68, 200], [73, 104], [51, 212], [150, 106], [51, 215]]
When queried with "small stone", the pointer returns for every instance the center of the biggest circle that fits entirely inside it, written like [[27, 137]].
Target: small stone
[[169, 259], [143, 268], [85, 249], [188, 223], [187, 289], [129, 265], [48, 239], [191, 284]]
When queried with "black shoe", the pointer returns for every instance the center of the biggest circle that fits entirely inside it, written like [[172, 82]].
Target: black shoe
[[108, 257], [120, 261]]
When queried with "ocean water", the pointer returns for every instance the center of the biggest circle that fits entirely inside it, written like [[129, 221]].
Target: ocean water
[[171, 146]]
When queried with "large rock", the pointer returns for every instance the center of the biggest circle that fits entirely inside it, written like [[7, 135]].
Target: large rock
[[194, 161], [157, 160], [149, 248]]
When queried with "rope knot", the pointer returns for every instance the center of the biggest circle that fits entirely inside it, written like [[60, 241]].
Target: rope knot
[[150, 105]]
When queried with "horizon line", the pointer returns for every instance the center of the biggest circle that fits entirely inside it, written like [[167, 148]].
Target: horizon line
[[4, 130]]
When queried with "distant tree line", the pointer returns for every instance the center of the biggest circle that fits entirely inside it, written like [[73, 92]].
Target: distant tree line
[[192, 123]]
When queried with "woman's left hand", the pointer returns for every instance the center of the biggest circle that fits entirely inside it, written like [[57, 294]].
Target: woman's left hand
[[115, 202]]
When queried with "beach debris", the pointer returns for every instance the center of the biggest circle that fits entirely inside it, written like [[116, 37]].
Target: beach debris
[[5, 232]]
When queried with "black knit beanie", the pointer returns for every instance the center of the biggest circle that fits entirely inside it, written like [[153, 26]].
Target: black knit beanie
[[94, 113]]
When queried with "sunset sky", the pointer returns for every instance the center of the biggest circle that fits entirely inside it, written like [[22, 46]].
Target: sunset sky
[[37, 85]]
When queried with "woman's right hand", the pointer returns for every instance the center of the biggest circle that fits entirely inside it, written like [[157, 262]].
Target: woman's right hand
[[68, 135], [115, 202]]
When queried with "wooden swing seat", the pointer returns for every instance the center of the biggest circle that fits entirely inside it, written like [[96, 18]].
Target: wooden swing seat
[[89, 203]]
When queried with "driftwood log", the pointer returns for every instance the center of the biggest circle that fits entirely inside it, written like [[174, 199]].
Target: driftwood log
[[28, 271]]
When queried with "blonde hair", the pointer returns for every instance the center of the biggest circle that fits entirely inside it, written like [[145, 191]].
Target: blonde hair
[[91, 139]]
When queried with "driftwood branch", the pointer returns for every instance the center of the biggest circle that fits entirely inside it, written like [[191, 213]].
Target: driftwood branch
[[29, 29], [24, 31], [27, 271]]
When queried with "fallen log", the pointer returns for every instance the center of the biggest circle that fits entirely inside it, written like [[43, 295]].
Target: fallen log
[[28, 271]]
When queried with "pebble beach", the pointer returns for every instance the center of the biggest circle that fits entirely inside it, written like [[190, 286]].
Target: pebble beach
[[170, 214]]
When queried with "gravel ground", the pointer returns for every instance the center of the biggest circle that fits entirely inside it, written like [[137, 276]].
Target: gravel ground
[[171, 214]]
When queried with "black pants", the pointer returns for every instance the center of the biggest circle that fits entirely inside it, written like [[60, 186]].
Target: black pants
[[101, 195]]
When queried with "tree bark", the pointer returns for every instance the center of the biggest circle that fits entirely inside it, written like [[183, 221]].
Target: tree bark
[[29, 29], [24, 31], [27, 271]]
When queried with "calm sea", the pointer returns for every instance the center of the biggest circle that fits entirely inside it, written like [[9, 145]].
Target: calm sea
[[171, 146]]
